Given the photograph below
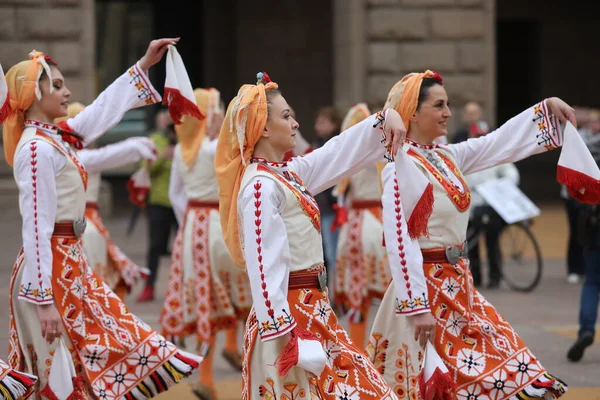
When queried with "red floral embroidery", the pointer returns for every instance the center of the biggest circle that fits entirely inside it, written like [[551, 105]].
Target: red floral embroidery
[[258, 231]]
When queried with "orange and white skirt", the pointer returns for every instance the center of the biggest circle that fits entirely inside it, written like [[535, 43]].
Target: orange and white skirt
[[105, 258], [349, 374], [115, 354], [362, 269], [485, 356], [206, 291]]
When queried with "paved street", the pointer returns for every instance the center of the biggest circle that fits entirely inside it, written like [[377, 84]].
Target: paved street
[[546, 318]]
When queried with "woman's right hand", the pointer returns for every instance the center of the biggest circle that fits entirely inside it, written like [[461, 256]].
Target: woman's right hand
[[49, 321], [395, 131], [424, 325], [156, 51]]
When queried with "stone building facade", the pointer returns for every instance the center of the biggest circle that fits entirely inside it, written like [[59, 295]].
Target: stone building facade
[[64, 29], [378, 41]]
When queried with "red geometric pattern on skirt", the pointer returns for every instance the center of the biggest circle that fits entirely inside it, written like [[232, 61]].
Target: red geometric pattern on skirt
[[117, 350], [479, 347], [199, 295], [348, 372], [129, 271], [355, 266]]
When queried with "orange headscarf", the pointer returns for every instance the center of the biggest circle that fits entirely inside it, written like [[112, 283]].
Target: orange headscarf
[[23, 88], [191, 131], [404, 95], [356, 114], [242, 128]]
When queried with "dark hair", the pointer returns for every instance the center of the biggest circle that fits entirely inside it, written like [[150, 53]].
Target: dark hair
[[50, 61], [332, 115], [271, 94], [424, 90]]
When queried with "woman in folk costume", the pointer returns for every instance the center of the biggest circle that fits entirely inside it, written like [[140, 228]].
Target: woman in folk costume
[[207, 292], [115, 269], [362, 271], [57, 302], [15, 385], [425, 222], [294, 346]]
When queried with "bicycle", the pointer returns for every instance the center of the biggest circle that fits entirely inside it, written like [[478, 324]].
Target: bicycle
[[521, 257]]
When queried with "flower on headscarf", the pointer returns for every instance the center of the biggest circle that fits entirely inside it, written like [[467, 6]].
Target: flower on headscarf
[[262, 77]]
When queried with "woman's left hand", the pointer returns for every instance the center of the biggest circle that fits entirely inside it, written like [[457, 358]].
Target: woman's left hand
[[562, 110], [156, 51], [395, 131]]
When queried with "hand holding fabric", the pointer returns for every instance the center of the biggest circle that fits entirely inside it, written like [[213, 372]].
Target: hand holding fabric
[[145, 148], [395, 131], [561, 110], [156, 51]]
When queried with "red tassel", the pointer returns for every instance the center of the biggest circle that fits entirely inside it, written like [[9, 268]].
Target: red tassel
[[289, 355], [180, 106], [417, 223], [440, 386], [341, 216], [78, 389], [78, 393], [137, 195], [6, 110], [575, 180]]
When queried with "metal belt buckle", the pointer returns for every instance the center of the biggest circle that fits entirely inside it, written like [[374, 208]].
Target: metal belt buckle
[[322, 279], [453, 254], [79, 227]]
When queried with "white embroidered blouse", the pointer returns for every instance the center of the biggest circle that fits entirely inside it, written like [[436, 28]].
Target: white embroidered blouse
[[279, 219], [533, 131], [38, 166]]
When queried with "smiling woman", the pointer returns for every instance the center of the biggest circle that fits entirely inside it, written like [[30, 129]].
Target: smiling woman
[[56, 302]]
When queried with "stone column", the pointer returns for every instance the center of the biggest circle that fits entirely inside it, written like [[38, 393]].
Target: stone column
[[64, 29], [381, 40]]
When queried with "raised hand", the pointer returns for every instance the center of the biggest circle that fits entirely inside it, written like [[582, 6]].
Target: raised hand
[[156, 50], [395, 131], [562, 110]]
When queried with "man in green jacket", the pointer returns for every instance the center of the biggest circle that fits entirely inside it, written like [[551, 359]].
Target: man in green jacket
[[161, 218]]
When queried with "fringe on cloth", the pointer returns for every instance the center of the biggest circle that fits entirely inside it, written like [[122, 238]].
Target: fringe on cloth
[[79, 392], [544, 387], [576, 182], [179, 105], [17, 385], [181, 365], [289, 355], [417, 223], [440, 386]]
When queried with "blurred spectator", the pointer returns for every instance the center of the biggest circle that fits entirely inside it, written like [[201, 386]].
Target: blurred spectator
[[327, 125], [161, 218], [473, 124], [588, 235]]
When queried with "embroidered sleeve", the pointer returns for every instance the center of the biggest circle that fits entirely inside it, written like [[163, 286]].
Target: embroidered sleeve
[[404, 253], [267, 256], [343, 156], [533, 131], [130, 90], [36, 165], [114, 155], [177, 195]]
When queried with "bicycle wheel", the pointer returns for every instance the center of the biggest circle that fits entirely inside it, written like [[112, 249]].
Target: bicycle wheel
[[521, 257]]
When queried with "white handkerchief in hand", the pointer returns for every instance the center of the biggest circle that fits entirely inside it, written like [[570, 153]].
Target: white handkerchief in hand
[[311, 356], [62, 372]]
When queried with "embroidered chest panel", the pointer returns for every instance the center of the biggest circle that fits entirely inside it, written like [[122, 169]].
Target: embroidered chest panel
[[306, 201], [460, 198], [70, 154]]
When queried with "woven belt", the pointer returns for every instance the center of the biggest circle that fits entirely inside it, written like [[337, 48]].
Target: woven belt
[[315, 277], [203, 204], [70, 229], [450, 255], [365, 204], [92, 205]]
